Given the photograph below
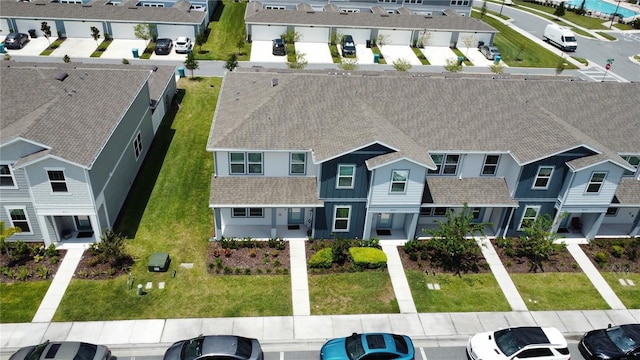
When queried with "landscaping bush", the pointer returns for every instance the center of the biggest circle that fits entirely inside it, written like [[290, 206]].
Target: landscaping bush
[[601, 258], [617, 251], [322, 259], [368, 258], [339, 250]]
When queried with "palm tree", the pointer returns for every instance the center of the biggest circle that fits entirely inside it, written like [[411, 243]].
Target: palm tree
[[6, 234]]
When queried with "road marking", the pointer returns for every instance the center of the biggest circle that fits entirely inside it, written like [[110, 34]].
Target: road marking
[[424, 356]]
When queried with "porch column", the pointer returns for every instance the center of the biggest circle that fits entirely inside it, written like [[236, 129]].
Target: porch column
[[366, 234], [217, 224], [95, 226], [273, 223], [508, 223], [635, 228], [411, 233], [593, 231], [46, 236], [557, 220]]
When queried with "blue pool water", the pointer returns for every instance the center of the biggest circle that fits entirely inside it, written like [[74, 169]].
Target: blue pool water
[[603, 7]]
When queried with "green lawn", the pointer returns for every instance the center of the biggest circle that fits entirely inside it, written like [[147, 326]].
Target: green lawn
[[226, 29], [629, 295], [584, 21], [167, 211], [469, 293], [558, 291], [510, 42], [352, 293], [20, 301]]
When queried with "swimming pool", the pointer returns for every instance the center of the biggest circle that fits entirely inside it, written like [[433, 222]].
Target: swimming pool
[[603, 7]]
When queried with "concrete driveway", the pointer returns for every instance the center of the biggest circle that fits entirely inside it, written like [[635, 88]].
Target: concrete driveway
[[123, 48], [33, 48], [393, 52], [261, 52], [315, 53], [437, 55], [76, 48], [364, 55], [476, 57]]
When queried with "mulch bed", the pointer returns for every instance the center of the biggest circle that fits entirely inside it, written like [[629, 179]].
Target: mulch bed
[[611, 260], [31, 265], [560, 261], [241, 261], [89, 269], [311, 247], [428, 265]]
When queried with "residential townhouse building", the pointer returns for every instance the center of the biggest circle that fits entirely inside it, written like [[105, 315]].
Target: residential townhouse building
[[385, 155], [73, 137]]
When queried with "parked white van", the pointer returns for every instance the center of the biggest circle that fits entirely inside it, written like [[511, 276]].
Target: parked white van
[[561, 37]]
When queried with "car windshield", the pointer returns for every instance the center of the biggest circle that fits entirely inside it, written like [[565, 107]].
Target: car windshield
[[621, 339], [507, 341], [37, 351], [354, 347], [192, 349], [494, 51], [569, 38], [349, 43]]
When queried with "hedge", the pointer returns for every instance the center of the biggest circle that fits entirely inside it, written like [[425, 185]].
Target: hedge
[[368, 258], [321, 259]]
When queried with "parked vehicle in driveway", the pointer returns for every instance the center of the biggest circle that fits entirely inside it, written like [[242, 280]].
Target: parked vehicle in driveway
[[614, 343], [63, 350], [490, 52], [278, 47], [530, 342], [183, 45], [368, 346], [16, 40], [215, 347], [561, 37], [348, 46], [163, 46]]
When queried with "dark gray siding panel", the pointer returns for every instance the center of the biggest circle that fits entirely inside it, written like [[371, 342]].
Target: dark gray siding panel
[[545, 208], [560, 171], [324, 221]]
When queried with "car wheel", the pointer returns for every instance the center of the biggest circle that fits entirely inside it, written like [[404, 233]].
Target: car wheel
[[20, 45]]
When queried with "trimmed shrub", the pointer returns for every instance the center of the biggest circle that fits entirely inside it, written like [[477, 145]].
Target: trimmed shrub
[[617, 251], [368, 258], [321, 259]]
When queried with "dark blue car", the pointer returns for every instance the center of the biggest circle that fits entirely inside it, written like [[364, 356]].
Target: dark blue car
[[369, 346]]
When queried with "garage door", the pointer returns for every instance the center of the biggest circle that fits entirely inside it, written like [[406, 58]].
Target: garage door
[[123, 30], [396, 37], [360, 36], [469, 39], [436, 38], [264, 32], [4, 26], [79, 29], [313, 34], [25, 25], [175, 31]]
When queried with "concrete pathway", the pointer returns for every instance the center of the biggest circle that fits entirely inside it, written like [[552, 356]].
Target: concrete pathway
[[299, 278], [398, 279], [502, 277], [595, 277], [58, 286]]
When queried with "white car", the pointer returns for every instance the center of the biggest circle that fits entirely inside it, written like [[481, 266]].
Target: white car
[[531, 342], [183, 45]]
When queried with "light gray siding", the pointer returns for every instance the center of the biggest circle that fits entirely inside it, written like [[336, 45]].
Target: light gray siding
[[36, 232], [577, 194], [78, 192], [381, 185]]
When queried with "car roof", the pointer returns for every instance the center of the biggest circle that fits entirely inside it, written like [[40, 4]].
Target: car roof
[[182, 38], [227, 344], [535, 335]]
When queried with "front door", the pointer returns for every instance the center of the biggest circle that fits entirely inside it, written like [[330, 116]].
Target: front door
[[384, 221], [296, 216]]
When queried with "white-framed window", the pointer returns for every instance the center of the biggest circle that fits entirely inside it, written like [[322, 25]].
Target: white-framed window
[[6, 176], [153, 5], [346, 176], [459, 2], [298, 164], [245, 163], [19, 219], [137, 145], [341, 218], [490, 165], [634, 160], [596, 181], [399, 179], [70, 2], [386, 1], [57, 180], [612, 211], [543, 178], [350, 10], [413, 1], [529, 215], [446, 164], [275, 7], [247, 212], [428, 211]]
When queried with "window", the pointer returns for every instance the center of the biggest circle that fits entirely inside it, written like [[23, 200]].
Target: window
[[634, 161], [475, 213], [346, 176], [247, 212], [57, 180], [83, 222], [399, 180], [542, 178], [449, 167], [612, 211], [274, 7], [245, 163], [530, 215], [386, 1], [350, 10], [597, 179], [6, 178], [413, 1], [19, 219], [137, 145], [341, 217], [440, 211], [427, 211], [490, 164], [297, 163], [153, 5], [459, 2], [535, 353]]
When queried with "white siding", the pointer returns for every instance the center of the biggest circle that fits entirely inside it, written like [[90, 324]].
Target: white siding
[[313, 34], [81, 29], [24, 25], [474, 37], [266, 33], [380, 187], [471, 165], [4, 27], [509, 169], [437, 38], [577, 194], [274, 164], [43, 197], [123, 30], [396, 37], [175, 31], [360, 36], [227, 219]]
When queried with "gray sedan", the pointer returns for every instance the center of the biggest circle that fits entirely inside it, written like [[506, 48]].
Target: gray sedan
[[215, 347], [63, 350]]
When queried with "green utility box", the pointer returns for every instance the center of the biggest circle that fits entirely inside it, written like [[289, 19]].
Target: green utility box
[[159, 262]]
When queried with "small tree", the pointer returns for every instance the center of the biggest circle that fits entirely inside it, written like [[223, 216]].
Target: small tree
[[348, 64], [299, 63], [559, 11], [111, 250], [143, 31], [201, 39], [240, 45], [335, 37], [425, 39], [95, 33], [452, 65], [521, 49], [537, 242], [6, 233], [46, 31], [401, 64], [382, 40], [66, 58], [232, 62], [483, 9], [191, 63], [497, 68], [291, 37], [469, 41]]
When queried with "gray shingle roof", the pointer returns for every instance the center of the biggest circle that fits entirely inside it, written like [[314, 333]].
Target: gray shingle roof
[[263, 191], [332, 114], [451, 191], [98, 11], [74, 117], [628, 192]]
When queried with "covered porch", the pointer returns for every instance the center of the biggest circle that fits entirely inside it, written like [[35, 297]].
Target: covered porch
[[71, 229]]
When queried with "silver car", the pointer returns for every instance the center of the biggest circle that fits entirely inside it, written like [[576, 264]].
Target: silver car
[[490, 52], [214, 347], [63, 350]]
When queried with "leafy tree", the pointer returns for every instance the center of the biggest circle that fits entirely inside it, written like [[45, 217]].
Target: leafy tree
[[191, 63], [382, 40], [401, 64], [469, 41], [559, 11], [46, 30], [143, 31], [111, 249], [240, 44], [483, 9], [453, 242], [95, 33], [452, 65], [201, 39], [536, 244], [425, 39], [291, 37], [6, 233], [232, 62], [66, 58]]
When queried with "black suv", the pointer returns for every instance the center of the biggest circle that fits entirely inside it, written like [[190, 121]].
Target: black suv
[[16, 40], [163, 46], [348, 46], [278, 47]]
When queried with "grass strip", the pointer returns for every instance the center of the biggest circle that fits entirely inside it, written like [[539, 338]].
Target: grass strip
[[52, 47], [628, 294], [552, 291], [21, 300]]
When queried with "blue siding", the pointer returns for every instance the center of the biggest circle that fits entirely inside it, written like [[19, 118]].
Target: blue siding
[[324, 220], [545, 208], [560, 171]]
